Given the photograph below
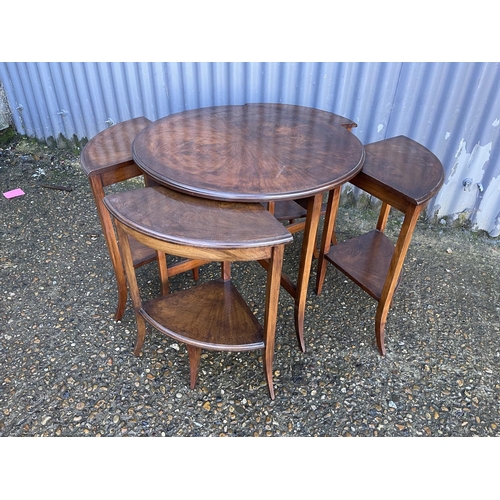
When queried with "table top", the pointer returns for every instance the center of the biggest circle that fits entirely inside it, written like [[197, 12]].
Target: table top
[[252, 152], [405, 168], [111, 147], [174, 217]]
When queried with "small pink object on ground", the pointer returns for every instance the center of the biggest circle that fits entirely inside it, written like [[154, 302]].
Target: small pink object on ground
[[13, 193]]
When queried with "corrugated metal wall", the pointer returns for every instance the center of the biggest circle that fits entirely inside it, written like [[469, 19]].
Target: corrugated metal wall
[[451, 108]]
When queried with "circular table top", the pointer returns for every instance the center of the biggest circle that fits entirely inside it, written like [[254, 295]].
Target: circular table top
[[253, 152]]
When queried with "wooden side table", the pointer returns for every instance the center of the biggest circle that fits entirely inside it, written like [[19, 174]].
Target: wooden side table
[[211, 315], [402, 174], [106, 160]]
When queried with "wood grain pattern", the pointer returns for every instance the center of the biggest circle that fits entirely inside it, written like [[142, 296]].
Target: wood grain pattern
[[365, 259], [107, 159], [255, 152], [212, 315], [181, 219], [400, 167], [405, 175], [291, 210], [112, 147]]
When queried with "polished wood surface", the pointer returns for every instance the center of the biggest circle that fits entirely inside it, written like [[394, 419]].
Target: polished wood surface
[[111, 150], [286, 210], [401, 169], [402, 174], [254, 152], [178, 218], [212, 315], [107, 159], [365, 259], [266, 153], [289, 210]]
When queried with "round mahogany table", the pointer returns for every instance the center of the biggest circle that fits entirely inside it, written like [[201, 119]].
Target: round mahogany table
[[255, 153]]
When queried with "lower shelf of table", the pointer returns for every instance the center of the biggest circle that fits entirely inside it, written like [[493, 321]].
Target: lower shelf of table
[[212, 315], [141, 254], [285, 210], [365, 260]]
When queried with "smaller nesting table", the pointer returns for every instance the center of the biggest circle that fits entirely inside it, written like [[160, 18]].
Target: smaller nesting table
[[212, 315], [106, 160], [405, 175]]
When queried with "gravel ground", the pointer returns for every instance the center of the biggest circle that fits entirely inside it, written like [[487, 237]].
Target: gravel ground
[[67, 367]]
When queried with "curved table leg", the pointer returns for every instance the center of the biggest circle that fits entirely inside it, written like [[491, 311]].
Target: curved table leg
[[328, 237], [308, 247], [97, 187]]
